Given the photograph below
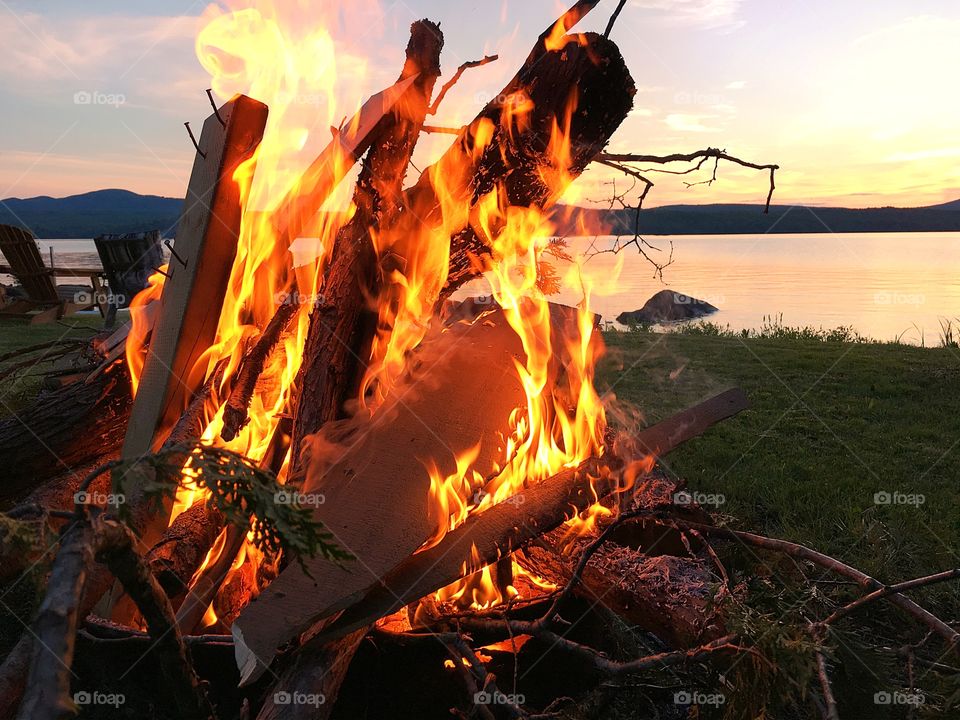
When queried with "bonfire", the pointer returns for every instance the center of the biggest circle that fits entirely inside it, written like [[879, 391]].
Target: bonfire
[[316, 431]]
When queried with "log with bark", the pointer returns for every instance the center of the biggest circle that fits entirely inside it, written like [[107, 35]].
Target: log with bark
[[341, 328], [183, 546], [64, 429], [671, 595], [577, 82]]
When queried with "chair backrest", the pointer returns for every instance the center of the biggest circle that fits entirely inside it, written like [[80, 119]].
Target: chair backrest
[[128, 261], [22, 254]]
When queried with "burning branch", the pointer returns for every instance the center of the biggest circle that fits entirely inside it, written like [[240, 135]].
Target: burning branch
[[245, 382]]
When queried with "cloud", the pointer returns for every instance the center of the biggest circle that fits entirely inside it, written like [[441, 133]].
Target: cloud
[[930, 154], [683, 122], [143, 57], [737, 85], [720, 14]]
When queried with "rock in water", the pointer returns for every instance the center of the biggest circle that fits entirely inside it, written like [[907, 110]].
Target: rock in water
[[667, 306]]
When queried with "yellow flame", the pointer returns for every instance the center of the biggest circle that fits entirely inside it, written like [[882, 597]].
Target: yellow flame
[[257, 49]]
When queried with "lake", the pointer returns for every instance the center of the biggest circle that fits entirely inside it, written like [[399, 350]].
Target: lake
[[884, 285]]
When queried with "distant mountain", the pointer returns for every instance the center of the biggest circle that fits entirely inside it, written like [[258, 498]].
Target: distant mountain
[[92, 214], [750, 219], [111, 211]]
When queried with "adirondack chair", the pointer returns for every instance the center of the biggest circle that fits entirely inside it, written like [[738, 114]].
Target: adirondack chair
[[43, 302], [128, 260]]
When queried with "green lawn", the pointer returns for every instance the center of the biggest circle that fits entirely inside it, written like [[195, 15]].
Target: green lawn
[[831, 425], [20, 387]]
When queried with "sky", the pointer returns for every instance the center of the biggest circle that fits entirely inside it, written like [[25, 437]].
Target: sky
[[856, 100]]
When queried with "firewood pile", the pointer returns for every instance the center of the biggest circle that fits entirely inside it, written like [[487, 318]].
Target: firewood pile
[[365, 474]]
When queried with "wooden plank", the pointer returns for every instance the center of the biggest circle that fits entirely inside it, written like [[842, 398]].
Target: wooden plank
[[193, 293], [506, 527], [375, 498]]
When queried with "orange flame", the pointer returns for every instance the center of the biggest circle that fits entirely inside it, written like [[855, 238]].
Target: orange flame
[[258, 50]]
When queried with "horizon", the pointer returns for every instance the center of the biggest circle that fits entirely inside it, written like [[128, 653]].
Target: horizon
[[815, 89], [651, 206]]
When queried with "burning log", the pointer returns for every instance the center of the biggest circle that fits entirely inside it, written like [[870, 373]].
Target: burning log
[[506, 527], [245, 382], [204, 587], [183, 546], [338, 336], [667, 595], [577, 82], [196, 284]]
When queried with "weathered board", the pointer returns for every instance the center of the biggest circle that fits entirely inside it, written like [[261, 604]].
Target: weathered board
[[198, 275], [375, 498]]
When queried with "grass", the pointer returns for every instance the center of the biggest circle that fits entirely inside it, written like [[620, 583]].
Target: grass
[[19, 388], [835, 420], [832, 424]]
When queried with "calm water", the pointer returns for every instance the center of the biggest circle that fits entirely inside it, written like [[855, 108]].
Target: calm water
[[883, 284]]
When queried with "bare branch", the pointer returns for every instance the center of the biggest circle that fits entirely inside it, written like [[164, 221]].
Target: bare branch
[[830, 711], [951, 636], [892, 590], [699, 156], [432, 110], [613, 18], [638, 241]]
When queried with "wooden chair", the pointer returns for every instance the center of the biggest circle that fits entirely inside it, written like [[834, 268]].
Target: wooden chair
[[43, 302], [128, 261]]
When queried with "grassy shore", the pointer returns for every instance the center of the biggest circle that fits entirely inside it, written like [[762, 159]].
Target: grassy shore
[[833, 424], [21, 386], [851, 448]]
